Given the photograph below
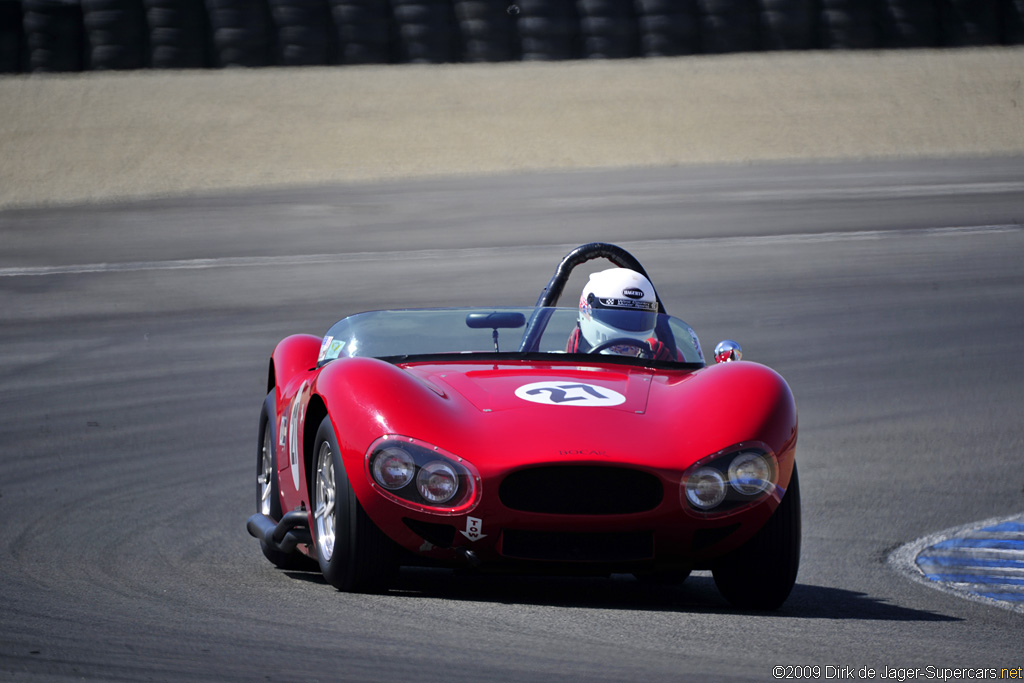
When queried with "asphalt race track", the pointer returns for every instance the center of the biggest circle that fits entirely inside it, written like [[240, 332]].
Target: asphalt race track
[[133, 343]]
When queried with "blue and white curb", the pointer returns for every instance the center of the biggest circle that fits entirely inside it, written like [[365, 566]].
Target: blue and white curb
[[982, 561]]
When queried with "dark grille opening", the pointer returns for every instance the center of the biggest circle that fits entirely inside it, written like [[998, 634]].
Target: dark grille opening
[[440, 535], [581, 490], [577, 547]]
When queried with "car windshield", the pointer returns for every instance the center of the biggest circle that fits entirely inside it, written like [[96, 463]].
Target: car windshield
[[528, 333]]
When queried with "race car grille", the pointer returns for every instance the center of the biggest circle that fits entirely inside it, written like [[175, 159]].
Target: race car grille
[[581, 490], [440, 535], [557, 546]]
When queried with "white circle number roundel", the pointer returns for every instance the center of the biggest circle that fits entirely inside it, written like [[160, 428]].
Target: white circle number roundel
[[569, 393]]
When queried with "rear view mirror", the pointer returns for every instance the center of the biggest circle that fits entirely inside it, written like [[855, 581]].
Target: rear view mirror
[[497, 320]]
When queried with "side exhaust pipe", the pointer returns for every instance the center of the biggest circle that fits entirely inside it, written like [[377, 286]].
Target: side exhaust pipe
[[283, 536]]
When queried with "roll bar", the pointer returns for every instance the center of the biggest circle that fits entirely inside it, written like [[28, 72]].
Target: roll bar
[[550, 295]]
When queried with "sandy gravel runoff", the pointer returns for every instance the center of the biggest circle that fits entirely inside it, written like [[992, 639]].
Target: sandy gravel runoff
[[104, 136]]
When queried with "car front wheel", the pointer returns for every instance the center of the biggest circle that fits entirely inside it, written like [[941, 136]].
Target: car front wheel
[[760, 574], [354, 555]]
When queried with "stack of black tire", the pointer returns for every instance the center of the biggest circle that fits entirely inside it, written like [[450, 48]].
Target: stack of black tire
[[54, 35], [548, 29], [240, 32], [12, 45], [788, 25], [364, 31], [116, 34], [488, 31], [848, 25], [608, 29], [970, 22], [668, 28], [178, 34], [1011, 19], [304, 34], [426, 31], [729, 25], [73, 35]]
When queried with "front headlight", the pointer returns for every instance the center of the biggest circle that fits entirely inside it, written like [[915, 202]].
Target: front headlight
[[730, 479], [437, 482], [393, 468], [750, 473], [421, 476], [705, 488]]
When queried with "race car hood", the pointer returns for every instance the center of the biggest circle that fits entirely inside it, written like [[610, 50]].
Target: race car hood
[[497, 388], [507, 415]]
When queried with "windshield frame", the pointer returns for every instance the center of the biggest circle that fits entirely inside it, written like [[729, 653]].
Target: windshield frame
[[526, 325]]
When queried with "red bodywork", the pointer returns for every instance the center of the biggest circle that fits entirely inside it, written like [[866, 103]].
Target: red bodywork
[[669, 420]]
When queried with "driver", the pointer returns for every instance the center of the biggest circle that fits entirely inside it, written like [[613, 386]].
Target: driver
[[618, 304]]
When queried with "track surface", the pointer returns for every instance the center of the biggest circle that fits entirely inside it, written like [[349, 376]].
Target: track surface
[[890, 295]]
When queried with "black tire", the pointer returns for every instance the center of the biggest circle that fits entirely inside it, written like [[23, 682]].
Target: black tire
[[909, 23], [425, 31], [668, 29], [116, 33], [488, 31], [608, 29], [364, 31], [54, 35], [848, 25], [355, 556], [661, 6], [305, 32], [729, 25], [241, 32], [178, 34], [1011, 16], [789, 25], [11, 41], [968, 22], [760, 574], [548, 30], [268, 499]]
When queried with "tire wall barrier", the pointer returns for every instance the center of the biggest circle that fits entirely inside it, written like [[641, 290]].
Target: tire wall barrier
[[80, 35]]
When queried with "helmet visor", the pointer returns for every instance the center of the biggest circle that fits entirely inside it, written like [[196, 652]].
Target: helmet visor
[[640, 316]]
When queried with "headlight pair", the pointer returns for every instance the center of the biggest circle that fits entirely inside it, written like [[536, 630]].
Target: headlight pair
[[421, 476], [730, 479]]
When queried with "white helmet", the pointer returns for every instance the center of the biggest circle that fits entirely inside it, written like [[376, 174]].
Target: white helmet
[[617, 303]]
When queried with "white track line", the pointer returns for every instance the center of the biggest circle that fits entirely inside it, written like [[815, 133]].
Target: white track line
[[428, 254]]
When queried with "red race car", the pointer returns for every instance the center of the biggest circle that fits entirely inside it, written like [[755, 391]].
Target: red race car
[[592, 439]]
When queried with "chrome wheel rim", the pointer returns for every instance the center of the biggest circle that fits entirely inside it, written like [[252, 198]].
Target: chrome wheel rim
[[325, 496], [266, 473]]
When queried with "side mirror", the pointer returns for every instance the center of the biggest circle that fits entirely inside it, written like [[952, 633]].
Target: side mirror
[[727, 351]]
